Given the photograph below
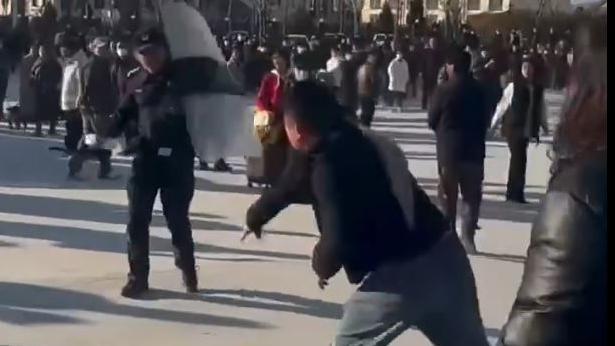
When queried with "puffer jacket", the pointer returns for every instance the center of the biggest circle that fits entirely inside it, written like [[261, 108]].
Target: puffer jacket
[[562, 299]]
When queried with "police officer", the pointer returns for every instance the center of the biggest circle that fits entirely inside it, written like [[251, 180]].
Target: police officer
[[163, 162]]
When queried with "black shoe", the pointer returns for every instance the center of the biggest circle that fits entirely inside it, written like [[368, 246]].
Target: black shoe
[[203, 166], [520, 200], [134, 288], [190, 281], [222, 166]]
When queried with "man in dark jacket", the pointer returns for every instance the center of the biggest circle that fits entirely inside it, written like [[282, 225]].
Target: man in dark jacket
[[458, 116], [380, 226], [99, 100]]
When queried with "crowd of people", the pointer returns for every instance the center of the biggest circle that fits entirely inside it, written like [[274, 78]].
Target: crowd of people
[[374, 219]]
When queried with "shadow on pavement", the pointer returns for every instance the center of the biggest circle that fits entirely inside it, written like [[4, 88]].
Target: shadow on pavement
[[257, 300], [17, 298], [496, 209], [71, 209], [86, 239]]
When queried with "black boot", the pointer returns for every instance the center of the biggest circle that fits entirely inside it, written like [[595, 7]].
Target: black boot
[[134, 287], [190, 280], [221, 166]]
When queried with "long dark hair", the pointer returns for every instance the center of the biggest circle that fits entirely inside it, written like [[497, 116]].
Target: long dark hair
[[583, 125]]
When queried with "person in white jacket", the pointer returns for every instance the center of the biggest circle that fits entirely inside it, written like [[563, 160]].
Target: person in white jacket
[[334, 67], [398, 79], [73, 60]]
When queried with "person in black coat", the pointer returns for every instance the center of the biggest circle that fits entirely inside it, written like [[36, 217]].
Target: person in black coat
[[164, 159], [432, 62], [458, 115], [46, 76], [562, 300], [379, 225]]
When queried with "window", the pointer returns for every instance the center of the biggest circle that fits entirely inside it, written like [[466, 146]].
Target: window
[[431, 4], [495, 5], [375, 4], [473, 5]]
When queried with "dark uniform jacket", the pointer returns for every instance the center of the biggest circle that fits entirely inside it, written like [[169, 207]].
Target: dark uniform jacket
[[459, 117], [562, 298], [153, 102], [369, 207]]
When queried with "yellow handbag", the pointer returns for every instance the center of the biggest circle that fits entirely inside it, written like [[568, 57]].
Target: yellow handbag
[[264, 128]]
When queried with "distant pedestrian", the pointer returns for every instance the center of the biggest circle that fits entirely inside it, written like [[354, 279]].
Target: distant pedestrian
[[98, 101], [398, 79], [522, 113], [432, 62], [46, 77], [73, 60], [458, 116], [368, 82]]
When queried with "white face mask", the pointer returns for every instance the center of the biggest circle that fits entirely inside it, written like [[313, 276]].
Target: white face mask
[[122, 52]]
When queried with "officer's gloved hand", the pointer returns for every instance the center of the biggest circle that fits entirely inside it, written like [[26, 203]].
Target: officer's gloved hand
[[258, 233]]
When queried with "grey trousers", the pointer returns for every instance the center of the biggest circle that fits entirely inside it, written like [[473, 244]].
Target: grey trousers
[[434, 293]]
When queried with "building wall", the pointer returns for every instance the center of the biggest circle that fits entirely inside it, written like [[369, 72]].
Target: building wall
[[434, 11]]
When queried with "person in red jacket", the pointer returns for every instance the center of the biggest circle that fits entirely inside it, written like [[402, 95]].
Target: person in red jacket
[[271, 99]]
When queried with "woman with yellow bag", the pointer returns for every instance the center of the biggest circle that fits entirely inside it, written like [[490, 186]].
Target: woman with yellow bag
[[269, 124]]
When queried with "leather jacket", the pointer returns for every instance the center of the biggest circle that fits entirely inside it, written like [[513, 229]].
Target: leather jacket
[[562, 298]]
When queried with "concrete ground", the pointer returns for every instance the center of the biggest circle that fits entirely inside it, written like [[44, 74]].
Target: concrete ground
[[62, 249]]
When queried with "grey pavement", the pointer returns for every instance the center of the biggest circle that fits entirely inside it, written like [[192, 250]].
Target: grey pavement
[[62, 249]]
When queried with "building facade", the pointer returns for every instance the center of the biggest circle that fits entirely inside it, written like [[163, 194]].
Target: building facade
[[434, 9]]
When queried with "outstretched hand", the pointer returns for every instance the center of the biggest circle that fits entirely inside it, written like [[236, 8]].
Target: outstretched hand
[[247, 231], [322, 283]]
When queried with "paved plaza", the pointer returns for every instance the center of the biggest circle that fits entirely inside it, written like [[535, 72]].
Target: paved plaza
[[62, 249]]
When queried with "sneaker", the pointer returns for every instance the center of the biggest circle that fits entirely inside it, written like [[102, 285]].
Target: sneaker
[[134, 288]]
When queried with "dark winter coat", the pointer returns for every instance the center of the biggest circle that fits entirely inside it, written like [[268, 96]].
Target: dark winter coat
[[369, 218], [46, 78], [562, 300], [458, 115]]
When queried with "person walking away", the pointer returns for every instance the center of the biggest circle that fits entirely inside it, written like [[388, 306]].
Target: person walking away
[[99, 99], [382, 229], [368, 89], [486, 73], [398, 79], [6, 65], [348, 96], [45, 79], [562, 299], [163, 162], [413, 61], [73, 61], [432, 62], [459, 118], [270, 99], [27, 93], [334, 67], [522, 112]]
